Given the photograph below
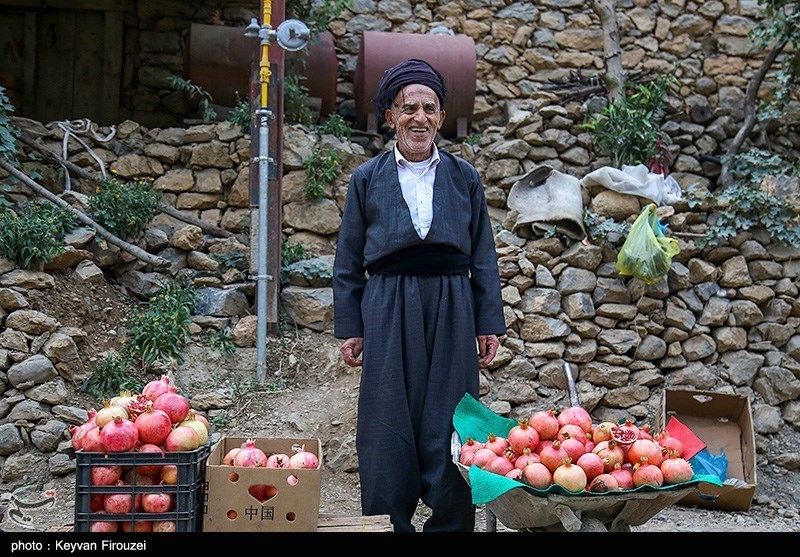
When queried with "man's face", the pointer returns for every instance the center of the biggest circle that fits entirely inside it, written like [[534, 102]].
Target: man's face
[[416, 116]]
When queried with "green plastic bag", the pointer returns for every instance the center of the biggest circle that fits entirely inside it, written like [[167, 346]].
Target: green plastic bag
[[647, 253]]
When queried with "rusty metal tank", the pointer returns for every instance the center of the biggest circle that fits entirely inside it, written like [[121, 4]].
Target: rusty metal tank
[[453, 55], [219, 59], [320, 70]]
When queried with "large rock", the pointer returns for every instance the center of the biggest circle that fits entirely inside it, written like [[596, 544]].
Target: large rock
[[309, 307], [35, 370]]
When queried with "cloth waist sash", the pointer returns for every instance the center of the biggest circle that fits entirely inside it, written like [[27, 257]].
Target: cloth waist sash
[[422, 259]]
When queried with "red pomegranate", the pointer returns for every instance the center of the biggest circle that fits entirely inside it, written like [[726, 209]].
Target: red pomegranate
[[496, 443], [77, 432], [514, 474], [501, 464], [182, 438], [104, 526], [523, 436], [602, 483], [570, 476], [676, 470], [644, 448], [647, 474], [156, 502], [149, 469], [304, 459], [526, 458], [92, 442], [156, 388], [576, 415], [121, 503], [482, 457], [553, 456], [176, 406], [252, 456], [537, 475], [228, 458], [592, 465], [153, 426], [119, 435], [106, 475], [574, 448], [623, 476], [611, 453], [545, 423]]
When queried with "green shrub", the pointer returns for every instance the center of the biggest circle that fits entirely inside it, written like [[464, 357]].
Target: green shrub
[[603, 230], [125, 208], [158, 329], [322, 168], [753, 165], [114, 373], [292, 252], [240, 114], [740, 207], [335, 125], [317, 14], [34, 236], [295, 99], [195, 92], [629, 130], [8, 132], [230, 260], [222, 341]]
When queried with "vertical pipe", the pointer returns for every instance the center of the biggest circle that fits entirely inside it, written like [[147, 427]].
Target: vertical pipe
[[263, 185]]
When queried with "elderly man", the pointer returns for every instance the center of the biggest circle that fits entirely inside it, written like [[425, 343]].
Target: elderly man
[[417, 300]]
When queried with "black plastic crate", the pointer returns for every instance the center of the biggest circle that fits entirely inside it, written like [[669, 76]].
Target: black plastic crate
[[187, 492]]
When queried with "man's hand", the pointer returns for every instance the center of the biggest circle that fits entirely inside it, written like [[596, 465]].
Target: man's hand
[[351, 350], [487, 348]]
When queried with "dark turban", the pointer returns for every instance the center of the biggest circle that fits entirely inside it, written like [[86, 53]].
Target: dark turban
[[406, 73]]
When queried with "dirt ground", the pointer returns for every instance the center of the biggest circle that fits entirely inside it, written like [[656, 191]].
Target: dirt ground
[[317, 397]]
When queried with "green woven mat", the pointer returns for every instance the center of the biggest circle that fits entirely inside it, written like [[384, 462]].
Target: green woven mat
[[472, 419]]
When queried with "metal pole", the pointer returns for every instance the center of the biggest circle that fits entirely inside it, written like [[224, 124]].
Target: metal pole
[[263, 190]]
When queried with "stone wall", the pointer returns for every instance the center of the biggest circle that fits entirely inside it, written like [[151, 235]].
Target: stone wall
[[521, 47]]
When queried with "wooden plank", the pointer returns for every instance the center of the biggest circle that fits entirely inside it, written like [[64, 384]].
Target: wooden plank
[[55, 54], [12, 56], [23, 3], [99, 5], [341, 523], [30, 68], [112, 68], [87, 86]]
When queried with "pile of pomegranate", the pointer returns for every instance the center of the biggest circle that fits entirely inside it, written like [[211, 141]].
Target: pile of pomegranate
[[249, 455], [565, 448], [159, 420]]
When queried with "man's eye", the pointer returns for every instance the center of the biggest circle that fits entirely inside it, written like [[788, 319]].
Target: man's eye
[[409, 110]]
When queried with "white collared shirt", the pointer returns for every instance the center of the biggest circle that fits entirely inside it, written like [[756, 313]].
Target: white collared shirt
[[416, 182]]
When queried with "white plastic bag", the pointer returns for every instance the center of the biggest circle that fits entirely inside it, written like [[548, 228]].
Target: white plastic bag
[[636, 180]]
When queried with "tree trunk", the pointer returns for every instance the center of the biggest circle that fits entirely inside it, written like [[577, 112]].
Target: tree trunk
[[750, 113], [136, 251], [614, 77], [163, 207]]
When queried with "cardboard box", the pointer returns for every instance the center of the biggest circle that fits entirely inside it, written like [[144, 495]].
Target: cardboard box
[[293, 494], [723, 422]]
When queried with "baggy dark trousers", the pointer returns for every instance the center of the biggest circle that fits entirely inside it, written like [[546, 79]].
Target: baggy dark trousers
[[419, 359]]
